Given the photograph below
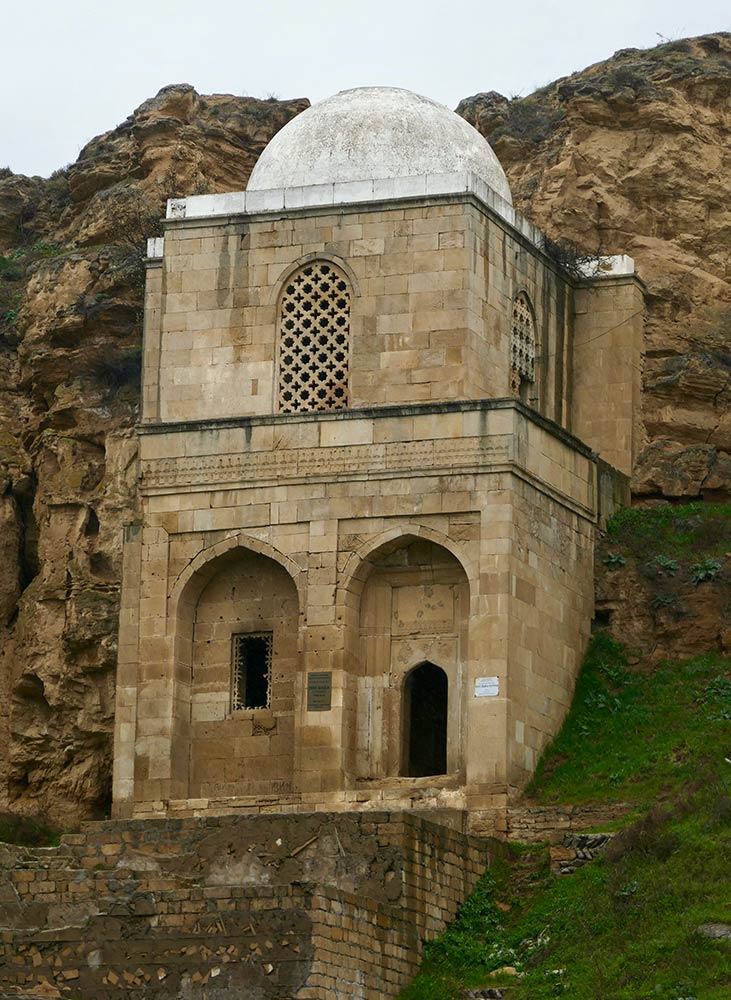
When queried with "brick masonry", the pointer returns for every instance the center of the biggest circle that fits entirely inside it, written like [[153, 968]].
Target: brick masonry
[[309, 906]]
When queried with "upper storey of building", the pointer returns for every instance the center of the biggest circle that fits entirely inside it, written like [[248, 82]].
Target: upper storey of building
[[376, 259]]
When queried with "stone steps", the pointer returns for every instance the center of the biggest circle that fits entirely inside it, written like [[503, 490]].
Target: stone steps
[[489, 993], [577, 850], [528, 823]]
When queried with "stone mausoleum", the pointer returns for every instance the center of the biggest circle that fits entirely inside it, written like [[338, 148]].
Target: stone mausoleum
[[380, 426]]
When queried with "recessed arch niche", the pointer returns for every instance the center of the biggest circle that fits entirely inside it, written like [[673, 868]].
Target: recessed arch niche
[[413, 611], [229, 750]]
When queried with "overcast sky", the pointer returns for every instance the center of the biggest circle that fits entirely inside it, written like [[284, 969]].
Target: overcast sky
[[71, 69]]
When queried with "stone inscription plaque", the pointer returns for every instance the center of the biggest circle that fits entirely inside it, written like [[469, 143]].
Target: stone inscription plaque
[[486, 687], [319, 691]]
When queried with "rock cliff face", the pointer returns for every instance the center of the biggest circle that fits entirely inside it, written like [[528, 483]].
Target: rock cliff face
[[630, 156], [70, 330]]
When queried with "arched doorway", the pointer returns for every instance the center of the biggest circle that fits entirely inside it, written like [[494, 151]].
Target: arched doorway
[[426, 698], [413, 609]]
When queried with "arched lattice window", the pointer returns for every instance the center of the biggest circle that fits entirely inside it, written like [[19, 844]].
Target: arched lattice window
[[314, 339], [522, 345]]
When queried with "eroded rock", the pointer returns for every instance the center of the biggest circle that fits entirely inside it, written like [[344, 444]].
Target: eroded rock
[[70, 348], [630, 156]]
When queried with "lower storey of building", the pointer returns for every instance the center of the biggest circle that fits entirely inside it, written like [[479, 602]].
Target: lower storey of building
[[352, 630]]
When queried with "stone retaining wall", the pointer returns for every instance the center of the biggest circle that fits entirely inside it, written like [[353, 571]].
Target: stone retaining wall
[[310, 906], [530, 824]]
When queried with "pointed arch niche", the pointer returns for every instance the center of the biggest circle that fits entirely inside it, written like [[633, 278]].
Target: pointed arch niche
[[238, 612], [412, 623]]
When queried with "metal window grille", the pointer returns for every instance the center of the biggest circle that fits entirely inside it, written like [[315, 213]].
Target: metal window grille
[[314, 340], [252, 670], [522, 344]]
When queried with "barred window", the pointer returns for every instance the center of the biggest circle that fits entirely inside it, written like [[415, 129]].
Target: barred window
[[252, 670], [522, 345], [314, 339]]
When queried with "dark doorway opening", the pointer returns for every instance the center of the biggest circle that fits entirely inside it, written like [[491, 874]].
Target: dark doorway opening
[[425, 721]]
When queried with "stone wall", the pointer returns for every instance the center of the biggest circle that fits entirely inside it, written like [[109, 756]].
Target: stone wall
[[534, 824], [231, 752], [498, 498], [351, 958], [413, 609], [311, 906], [607, 369], [432, 281]]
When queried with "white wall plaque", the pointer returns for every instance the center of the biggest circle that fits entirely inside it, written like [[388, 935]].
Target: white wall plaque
[[486, 687]]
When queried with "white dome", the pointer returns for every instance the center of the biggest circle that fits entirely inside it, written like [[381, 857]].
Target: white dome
[[375, 133]]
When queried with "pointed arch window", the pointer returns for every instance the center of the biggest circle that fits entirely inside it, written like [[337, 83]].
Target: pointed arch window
[[522, 346], [314, 339]]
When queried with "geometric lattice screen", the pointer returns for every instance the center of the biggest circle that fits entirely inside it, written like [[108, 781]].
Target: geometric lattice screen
[[522, 344], [314, 339]]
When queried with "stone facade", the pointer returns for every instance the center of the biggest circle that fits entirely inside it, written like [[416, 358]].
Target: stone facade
[[278, 907], [426, 517], [379, 428], [433, 285]]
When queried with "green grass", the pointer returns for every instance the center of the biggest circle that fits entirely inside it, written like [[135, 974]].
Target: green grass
[[27, 831], [680, 531], [624, 927], [470, 948], [617, 743]]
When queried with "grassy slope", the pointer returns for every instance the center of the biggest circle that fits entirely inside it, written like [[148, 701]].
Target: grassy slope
[[624, 928], [692, 533]]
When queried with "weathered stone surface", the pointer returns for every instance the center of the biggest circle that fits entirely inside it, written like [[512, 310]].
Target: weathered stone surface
[[9, 549], [70, 325], [17, 195], [346, 920], [577, 850], [375, 132], [718, 932]]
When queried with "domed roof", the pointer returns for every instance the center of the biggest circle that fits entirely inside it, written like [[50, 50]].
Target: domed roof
[[375, 133]]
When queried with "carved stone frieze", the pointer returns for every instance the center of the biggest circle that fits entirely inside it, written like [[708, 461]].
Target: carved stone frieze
[[307, 463]]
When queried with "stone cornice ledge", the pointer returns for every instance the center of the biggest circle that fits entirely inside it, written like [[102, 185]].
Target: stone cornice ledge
[[375, 192], [374, 412]]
